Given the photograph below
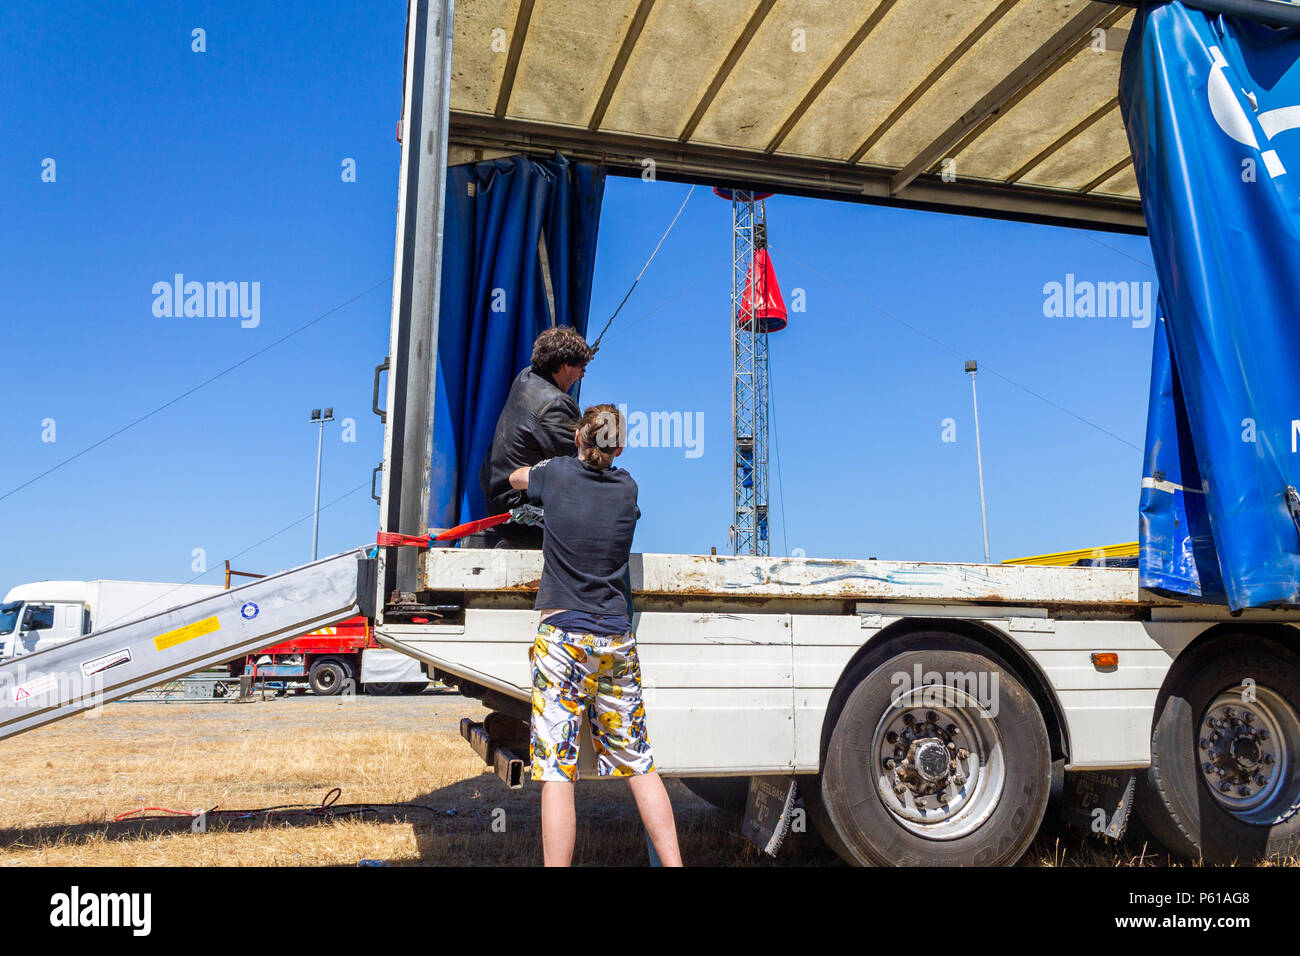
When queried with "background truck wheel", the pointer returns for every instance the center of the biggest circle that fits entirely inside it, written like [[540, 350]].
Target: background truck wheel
[[953, 774], [725, 793], [1224, 780], [413, 688], [385, 688], [328, 676]]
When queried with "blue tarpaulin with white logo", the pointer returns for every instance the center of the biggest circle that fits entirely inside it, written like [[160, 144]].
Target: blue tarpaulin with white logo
[[1212, 107], [518, 235]]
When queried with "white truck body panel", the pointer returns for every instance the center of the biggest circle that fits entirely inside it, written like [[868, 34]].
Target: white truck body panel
[[382, 666], [740, 655]]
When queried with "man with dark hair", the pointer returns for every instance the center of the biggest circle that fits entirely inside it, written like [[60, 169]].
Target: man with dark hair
[[536, 424]]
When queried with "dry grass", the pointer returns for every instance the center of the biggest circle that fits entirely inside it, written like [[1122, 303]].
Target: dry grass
[[66, 783]]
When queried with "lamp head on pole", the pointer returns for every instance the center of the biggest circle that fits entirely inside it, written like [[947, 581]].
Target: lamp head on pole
[[972, 366]]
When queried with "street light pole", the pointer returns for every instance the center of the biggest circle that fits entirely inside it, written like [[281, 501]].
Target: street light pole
[[972, 367], [320, 421]]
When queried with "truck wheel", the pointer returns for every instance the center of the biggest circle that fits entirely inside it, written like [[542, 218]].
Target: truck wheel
[[384, 689], [328, 676], [954, 772], [1224, 780], [725, 793], [413, 688]]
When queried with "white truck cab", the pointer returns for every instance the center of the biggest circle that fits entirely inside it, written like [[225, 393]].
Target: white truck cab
[[37, 616]]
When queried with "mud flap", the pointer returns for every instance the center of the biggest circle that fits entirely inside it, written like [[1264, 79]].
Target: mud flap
[[768, 810], [1100, 801]]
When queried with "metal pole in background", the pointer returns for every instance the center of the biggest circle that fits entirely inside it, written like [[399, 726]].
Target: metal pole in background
[[320, 421], [972, 367]]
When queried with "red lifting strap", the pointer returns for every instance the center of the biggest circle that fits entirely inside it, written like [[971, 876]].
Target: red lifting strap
[[395, 539]]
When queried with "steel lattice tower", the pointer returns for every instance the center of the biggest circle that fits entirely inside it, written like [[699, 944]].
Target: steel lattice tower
[[749, 382]]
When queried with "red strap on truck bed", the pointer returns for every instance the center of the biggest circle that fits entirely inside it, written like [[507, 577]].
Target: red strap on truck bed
[[394, 539]]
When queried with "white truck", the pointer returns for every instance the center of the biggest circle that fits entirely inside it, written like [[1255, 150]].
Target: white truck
[[921, 707], [43, 614]]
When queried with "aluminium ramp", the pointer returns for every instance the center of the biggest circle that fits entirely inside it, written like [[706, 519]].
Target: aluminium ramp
[[81, 675]]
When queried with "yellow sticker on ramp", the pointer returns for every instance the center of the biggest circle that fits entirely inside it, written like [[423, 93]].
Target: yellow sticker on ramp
[[186, 633]]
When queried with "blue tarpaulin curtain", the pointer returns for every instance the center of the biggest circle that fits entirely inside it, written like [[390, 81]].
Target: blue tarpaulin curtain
[[1212, 106], [493, 301], [1177, 547]]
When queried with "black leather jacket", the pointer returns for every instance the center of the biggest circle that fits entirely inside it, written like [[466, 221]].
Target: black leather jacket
[[537, 423]]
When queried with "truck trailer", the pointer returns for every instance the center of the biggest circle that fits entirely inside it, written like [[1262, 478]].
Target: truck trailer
[[919, 708], [336, 659]]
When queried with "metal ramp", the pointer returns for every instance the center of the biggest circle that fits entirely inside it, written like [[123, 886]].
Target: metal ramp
[[80, 675]]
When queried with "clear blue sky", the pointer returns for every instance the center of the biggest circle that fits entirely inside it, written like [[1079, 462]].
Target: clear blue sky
[[225, 165]]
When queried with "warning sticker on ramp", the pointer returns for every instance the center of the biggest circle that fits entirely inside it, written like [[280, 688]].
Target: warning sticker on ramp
[[35, 688], [104, 663], [187, 633]]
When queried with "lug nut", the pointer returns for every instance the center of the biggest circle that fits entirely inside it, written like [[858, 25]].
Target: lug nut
[[931, 716], [952, 730], [889, 763], [1243, 791], [1260, 780], [1224, 786], [1205, 744], [1207, 767], [1248, 717], [891, 737], [920, 801]]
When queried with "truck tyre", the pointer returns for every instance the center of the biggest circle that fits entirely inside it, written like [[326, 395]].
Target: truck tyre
[[953, 772], [328, 676], [412, 688], [385, 688], [724, 793], [1224, 780]]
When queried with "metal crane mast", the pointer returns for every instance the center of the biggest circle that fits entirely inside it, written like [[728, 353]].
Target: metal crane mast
[[749, 381]]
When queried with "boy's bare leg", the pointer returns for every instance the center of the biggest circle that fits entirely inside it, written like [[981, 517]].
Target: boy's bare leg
[[559, 823], [657, 815]]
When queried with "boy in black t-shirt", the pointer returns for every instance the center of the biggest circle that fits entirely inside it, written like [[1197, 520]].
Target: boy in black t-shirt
[[584, 657]]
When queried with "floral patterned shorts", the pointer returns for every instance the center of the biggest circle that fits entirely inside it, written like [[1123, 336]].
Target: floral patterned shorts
[[596, 674]]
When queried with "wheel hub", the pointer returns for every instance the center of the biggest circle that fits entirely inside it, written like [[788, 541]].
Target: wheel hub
[[940, 770], [929, 759], [1242, 748]]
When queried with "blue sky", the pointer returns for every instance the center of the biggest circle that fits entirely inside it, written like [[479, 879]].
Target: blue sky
[[226, 166]]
